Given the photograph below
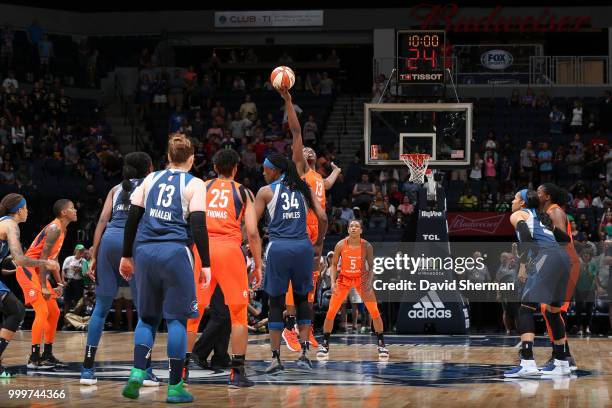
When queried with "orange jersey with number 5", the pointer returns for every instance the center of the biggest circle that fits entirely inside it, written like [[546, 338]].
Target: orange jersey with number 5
[[224, 209], [352, 259], [315, 181]]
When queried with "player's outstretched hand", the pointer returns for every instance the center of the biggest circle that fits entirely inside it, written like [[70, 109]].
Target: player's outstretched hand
[[284, 92], [255, 277], [334, 167], [126, 268], [91, 273], [205, 278]]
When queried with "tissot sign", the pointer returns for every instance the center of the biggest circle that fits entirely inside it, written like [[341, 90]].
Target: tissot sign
[[451, 17], [479, 223]]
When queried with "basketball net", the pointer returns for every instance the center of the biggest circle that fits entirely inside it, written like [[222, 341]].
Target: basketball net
[[417, 164]]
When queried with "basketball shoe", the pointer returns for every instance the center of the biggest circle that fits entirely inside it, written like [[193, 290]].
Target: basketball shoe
[[291, 339]]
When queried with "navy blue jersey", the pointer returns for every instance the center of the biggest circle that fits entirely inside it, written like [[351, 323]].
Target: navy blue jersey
[[166, 208], [4, 246], [539, 232], [287, 212], [121, 206]]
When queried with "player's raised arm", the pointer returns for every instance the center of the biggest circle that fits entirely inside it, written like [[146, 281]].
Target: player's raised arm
[[296, 131], [331, 179]]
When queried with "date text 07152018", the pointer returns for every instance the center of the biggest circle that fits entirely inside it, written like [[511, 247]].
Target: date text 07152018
[[37, 394]]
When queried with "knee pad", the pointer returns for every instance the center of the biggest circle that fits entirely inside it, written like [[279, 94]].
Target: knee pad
[[303, 310], [238, 314], [275, 315], [525, 319], [556, 325], [13, 311]]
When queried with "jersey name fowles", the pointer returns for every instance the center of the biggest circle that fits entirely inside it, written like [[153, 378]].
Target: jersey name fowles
[[122, 207], [217, 214], [163, 215], [292, 215]]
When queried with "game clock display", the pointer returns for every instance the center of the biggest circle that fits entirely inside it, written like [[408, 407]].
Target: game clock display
[[420, 57]]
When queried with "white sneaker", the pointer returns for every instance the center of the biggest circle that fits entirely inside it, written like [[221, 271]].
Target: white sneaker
[[558, 368], [527, 368], [383, 353], [323, 352]]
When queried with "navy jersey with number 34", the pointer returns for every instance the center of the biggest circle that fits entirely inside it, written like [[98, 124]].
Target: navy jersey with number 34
[[287, 212]]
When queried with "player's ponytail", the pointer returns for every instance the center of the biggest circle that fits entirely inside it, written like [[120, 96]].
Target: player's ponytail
[[292, 179], [136, 166], [9, 203]]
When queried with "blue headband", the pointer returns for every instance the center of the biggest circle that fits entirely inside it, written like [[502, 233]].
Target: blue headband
[[523, 194], [267, 163], [17, 207]]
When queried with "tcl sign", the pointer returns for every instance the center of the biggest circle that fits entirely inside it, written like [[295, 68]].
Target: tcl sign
[[480, 223], [496, 59]]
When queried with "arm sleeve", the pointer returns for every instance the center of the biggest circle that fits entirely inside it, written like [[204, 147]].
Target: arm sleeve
[[197, 223], [560, 235], [131, 226], [525, 240]]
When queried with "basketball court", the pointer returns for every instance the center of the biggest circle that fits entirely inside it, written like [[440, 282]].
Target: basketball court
[[421, 371]]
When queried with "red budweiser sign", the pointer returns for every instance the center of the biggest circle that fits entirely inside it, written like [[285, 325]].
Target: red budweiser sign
[[447, 16], [480, 223]]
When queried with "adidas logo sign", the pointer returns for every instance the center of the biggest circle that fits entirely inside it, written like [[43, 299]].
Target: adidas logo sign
[[429, 307]]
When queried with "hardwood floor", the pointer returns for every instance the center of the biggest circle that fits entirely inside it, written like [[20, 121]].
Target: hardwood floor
[[422, 371]]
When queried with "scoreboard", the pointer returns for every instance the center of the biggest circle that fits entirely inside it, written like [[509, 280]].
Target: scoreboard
[[420, 56]]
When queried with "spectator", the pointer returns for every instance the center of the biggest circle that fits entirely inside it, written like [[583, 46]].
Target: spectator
[[507, 273], [9, 82], [250, 57], [605, 112], [249, 158], [490, 164], [326, 85], [285, 59], [468, 201], [379, 212], [528, 99], [248, 109], [191, 77], [72, 273], [363, 193], [478, 274], [545, 158], [233, 57], [581, 201], [176, 119], [605, 227], [239, 126], [476, 171], [574, 162], [404, 211], [587, 283], [333, 57], [176, 90], [486, 199], [145, 88], [144, 59], [7, 36], [576, 123], [527, 160], [160, 92], [310, 131], [346, 216], [218, 111], [45, 53], [377, 88], [557, 119], [576, 142], [238, 84], [607, 161], [601, 199]]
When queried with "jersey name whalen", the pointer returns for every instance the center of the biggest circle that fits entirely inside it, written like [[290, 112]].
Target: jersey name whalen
[[163, 215], [217, 214]]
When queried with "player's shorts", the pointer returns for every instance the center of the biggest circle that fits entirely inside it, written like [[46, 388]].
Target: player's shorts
[[548, 282], [311, 295], [108, 280], [124, 292], [164, 281], [288, 261], [313, 232], [29, 281], [228, 269], [344, 284]]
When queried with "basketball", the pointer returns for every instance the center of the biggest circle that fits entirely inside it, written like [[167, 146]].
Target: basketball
[[282, 76]]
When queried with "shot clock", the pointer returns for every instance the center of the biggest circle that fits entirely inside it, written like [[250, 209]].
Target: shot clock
[[420, 57]]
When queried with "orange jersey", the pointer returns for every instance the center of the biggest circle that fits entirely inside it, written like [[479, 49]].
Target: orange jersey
[[315, 181], [352, 259], [37, 246], [567, 223], [224, 209]]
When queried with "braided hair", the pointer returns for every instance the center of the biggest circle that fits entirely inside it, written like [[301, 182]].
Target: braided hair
[[292, 179], [136, 166]]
